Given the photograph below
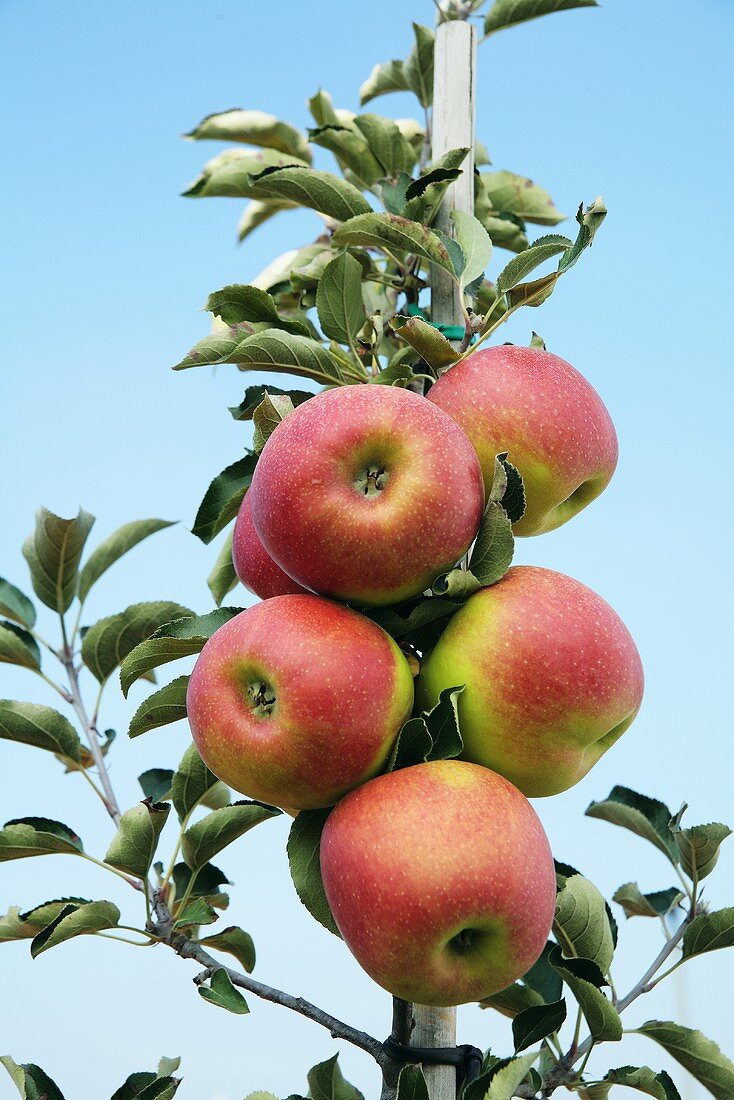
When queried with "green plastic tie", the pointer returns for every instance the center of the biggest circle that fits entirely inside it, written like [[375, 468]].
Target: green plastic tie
[[451, 332]]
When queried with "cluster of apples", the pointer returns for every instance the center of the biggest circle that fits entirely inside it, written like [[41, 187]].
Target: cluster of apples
[[439, 876]]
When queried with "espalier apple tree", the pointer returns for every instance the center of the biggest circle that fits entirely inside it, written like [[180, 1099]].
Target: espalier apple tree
[[400, 690]]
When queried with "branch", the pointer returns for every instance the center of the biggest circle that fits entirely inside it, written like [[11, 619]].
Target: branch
[[90, 731]]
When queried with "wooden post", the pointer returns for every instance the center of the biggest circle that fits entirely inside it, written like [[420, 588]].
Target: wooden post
[[453, 127]]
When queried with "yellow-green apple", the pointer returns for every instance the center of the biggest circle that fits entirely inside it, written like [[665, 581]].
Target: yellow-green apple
[[550, 419], [441, 880], [367, 493], [552, 675], [253, 564], [297, 700]]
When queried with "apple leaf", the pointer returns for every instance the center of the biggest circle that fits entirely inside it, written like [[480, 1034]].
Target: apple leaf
[[476, 245], [252, 128], [76, 920], [31, 1081], [581, 924], [156, 783], [234, 941], [16, 605], [326, 1082], [110, 640], [534, 1024], [255, 394], [699, 847], [322, 191], [442, 722], [237, 302], [457, 584], [699, 1055], [222, 993], [37, 836], [646, 817], [257, 212], [508, 13], [304, 842], [223, 578], [521, 266], [391, 231], [53, 553], [643, 1079], [431, 345], [542, 978], [505, 1076], [513, 498], [656, 904], [418, 66], [133, 845], [192, 782], [513, 1000], [229, 173], [425, 194], [584, 978], [494, 548], [412, 745], [709, 932], [195, 913], [384, 78], [267, 417], [221, 828], [114, 547], [223, 498], [15, 925], [339, 299], [411, 1084], [387, 143], [180, 637], [18, 647]]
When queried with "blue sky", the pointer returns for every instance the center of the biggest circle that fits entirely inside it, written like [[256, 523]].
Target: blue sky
[[105, 269]]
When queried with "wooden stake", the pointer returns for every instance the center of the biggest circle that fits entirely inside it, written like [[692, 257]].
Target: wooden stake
[[453, 127]]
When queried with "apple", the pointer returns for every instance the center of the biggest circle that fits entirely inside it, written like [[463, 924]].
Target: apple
[[296, 700], [441, 881], [252, 563], [552, 678], [367, 493], [546, 415]]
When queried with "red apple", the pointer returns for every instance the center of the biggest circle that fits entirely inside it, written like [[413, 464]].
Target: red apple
[[550, 419], [553, 678], [367, 493], [441, 881], [297, 700], [252, 563]]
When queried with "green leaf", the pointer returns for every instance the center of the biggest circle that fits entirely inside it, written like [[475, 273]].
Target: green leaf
[[391, 231], [511, 1001], [234, 941], [269, 350], [384, 78], [239, 303], [325, 192], [178, 638], [387, 143], [113, 547], [646, 817], [31, 1081], [191, 783], [508, 13], [133, 845], [505, 231], [196, 912], [222, 993], [506, 1079], [520, 267], [581, 924], [425, 194], [15, 925], [409, 620], [229, 174], [457, 584], [709, 932], [223, 578], [699, 1055], [16, 605], [206, 884], [520, 197], [475, 243], [110, 640], [699, 847], [412, 745], [339, 299], [268, 416], [513, 497], [303, 847], [492, 554], [583, 978], [589, 220], [656, 904], [412, 1084], [326, 1082], [16, 1072], [442, 722], [536, 1023], [37, 836], [431, 345], [220, 828], [156, 783], [18, 647], [542, 978], [53, 553], [252, 128], [256, 213], [533, 293], [254, 395], [644, 1080], [349, 146], [223, 498], [418, 66], [76, 920]]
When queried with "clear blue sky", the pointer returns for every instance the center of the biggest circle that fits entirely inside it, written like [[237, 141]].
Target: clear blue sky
[[104, 270]]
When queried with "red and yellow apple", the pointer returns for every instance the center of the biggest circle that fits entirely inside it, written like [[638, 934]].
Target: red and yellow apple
[[546, 415], [367, 493], [441, 880], [252, 563], [297, 700], [552, 678]]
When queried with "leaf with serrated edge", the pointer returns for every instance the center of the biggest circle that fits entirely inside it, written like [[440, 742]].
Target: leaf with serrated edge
[[110, 640], [474, 242], [655, 904], [252, 128], [326, 1082], [581, 924], [156, 783], [709, 932], [534, 1024], [506, 1080], [699, 847], [418, 66], [600, 1014], [53, 553], [191, 782], [180, 637], [267, 417], [133, 845], [646, 817], [37, 836], [18, 647], [493, 551], [339, 299], [15, 605], [508, 13], [545, 248], [644, 1080], [387, 76], [412, 1084], [223, 498], [303, 857], [76, 920], [237, 303], [223, 578], [430, 344], [391, 231], [322, 191], [113, 547], [234, 941], [201, 842], [222, 993], [699, 1055]]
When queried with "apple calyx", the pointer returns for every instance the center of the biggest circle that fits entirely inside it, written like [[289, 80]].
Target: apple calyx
[[371, 481], [260, 698]]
